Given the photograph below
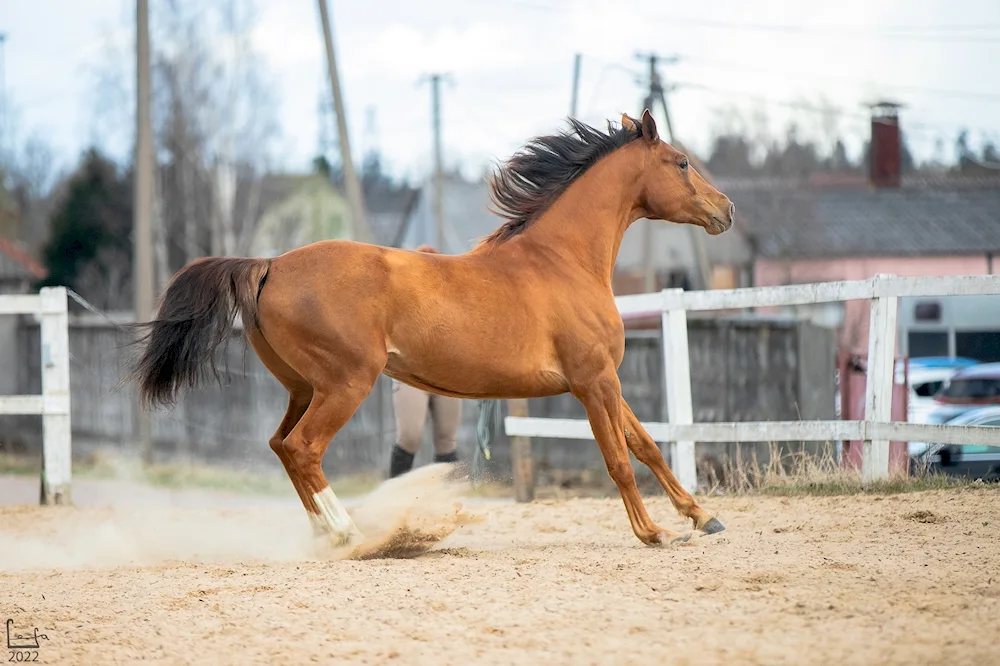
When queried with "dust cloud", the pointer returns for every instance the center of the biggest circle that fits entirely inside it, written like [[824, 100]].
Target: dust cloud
[[403, 517]]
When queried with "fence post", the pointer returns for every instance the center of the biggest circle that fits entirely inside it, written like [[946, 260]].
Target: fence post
[[677, 376], [879, 380], [520, 456], [56, 434]]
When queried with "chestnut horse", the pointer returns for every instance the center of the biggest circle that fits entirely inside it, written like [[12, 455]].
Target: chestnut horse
[[529, 312]]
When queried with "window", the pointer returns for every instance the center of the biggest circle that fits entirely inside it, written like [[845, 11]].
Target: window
[[927, 311], [927, 343], [972, 389], [927, 389], [984, 346]]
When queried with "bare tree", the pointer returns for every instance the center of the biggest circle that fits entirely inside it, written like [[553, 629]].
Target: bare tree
[[214, 125], [29, 177]]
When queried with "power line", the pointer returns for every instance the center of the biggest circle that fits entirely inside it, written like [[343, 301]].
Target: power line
[[805, 106], [898, 32], [802, 106], [729, 64], [911, 126]]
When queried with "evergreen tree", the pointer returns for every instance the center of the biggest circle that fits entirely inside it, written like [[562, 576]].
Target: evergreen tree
[[90, 248]]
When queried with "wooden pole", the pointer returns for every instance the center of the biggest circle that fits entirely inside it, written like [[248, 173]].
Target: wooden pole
[[436, 80], [355, 196], [143, 205], [576, 85], [520, 454]]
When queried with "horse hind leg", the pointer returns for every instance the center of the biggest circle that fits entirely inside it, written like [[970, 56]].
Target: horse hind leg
[[299, 397], [603, 403], [327, 515], [298, 402], [336, 396], [648, 453]]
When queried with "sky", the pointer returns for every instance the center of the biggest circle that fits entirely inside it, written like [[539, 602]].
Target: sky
[[510, 64]]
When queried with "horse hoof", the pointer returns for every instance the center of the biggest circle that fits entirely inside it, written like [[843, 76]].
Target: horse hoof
[[684, 538], [713, 526]]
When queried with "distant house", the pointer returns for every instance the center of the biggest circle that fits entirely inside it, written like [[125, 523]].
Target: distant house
[[387, 206], [831, 227], [18, 271], [467, 217], [296, 210]]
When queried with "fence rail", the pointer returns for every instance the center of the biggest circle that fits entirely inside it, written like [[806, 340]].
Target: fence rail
[[875, 431], [49, 305]]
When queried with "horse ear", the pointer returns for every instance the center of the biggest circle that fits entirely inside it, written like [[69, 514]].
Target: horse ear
[[649, 126], [629, 123]]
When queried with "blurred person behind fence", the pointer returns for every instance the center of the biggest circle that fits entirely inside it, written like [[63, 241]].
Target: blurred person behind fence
[[411, 406]]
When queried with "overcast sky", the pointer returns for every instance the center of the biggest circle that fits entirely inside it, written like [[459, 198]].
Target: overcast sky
[[511, 63]]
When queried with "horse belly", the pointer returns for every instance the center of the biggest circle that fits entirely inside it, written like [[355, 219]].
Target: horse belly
[[477, 372]]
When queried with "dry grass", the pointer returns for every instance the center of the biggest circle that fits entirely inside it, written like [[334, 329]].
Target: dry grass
[[809, 473], [786, 473]]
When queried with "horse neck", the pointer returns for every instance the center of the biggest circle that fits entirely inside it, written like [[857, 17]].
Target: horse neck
[[585, 225]]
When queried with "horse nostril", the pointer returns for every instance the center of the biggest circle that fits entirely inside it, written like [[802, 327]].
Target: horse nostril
[[732, 212]]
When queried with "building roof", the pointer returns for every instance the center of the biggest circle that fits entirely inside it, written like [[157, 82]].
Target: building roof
[[467, 217], [836, 216], [16, 264], [386, 208]]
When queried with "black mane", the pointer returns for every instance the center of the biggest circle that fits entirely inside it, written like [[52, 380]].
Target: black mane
[[524, 187]]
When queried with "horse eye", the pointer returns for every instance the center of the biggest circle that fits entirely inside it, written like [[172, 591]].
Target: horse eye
[[684, 164]]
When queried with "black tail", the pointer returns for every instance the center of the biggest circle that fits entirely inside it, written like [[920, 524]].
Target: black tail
[[197, 313]]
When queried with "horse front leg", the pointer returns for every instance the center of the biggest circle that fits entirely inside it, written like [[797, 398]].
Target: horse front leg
[[648, 453], [602, 399]]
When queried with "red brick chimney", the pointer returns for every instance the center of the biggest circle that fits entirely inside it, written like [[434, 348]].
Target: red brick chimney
[[885, 150]]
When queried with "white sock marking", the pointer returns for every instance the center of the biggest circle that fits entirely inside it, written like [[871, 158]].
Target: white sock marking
[[334, 516]]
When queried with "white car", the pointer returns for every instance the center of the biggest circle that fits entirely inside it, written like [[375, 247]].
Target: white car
[[976, 461], [927, 376]]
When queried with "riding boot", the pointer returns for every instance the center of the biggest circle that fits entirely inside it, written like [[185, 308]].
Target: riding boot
[[400, 462], [446, 457]]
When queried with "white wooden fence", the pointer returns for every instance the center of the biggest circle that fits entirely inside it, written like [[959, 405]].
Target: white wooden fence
[[49, 305], [875, 431]]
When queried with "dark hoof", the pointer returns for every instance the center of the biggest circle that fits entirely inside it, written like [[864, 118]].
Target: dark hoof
[[684, 538], [713, 526]]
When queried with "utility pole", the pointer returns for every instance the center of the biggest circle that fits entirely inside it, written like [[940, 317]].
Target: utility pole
[[142, 238], [576, 85], [656, 86], [355, 197], [436, 80], [657, 92], [3, 92]]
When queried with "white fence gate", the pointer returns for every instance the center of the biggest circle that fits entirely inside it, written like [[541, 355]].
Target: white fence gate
[[875, 431], [49, 305]]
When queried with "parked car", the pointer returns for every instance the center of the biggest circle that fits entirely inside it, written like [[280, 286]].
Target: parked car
[[973, 461], [927, 376], [965, 390], [977, 386]]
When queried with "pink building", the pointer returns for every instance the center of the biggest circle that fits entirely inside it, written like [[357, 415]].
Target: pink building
[[852, 316], [846, 227]]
